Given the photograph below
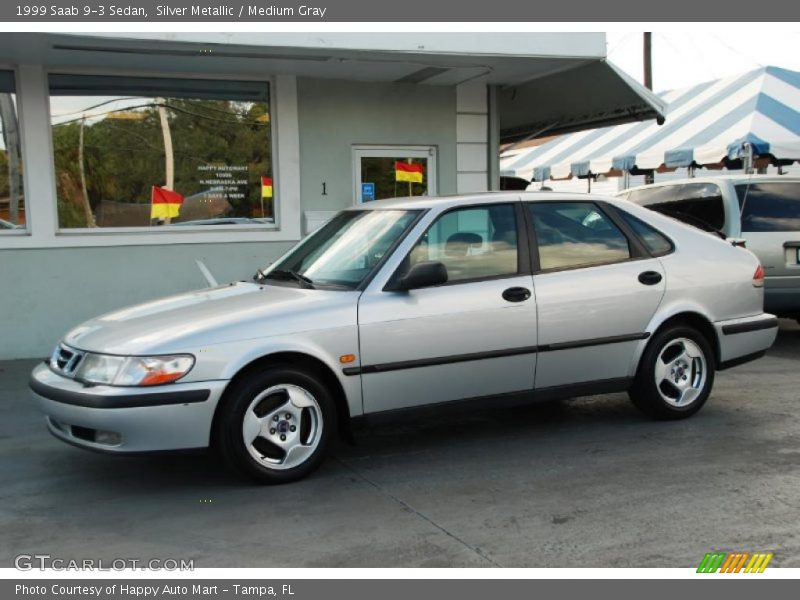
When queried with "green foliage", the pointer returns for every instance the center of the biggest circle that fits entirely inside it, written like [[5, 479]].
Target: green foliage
[[70, 216]]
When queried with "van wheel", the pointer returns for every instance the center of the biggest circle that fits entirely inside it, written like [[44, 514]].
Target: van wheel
[[675, 375], [276, 425]]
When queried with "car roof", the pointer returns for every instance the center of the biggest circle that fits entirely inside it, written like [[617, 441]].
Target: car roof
[[444, 202], [740, 178]]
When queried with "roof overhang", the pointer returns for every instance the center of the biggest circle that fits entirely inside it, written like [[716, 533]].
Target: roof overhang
[[444, 59], [589, 95], [550, 83]]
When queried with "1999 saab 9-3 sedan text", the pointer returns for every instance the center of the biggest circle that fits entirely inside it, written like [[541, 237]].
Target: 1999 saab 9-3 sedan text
[[408, 302]]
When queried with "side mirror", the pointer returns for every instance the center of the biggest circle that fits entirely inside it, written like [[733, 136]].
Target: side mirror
[[424, 274]]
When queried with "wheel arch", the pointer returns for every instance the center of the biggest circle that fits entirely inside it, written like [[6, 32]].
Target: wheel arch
[[306, 362], [691, 317]]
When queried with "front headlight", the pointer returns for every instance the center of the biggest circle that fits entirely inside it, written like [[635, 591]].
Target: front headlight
[[133, 370]]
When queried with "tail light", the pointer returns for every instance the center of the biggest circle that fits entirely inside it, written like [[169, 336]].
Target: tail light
[[758, 277]]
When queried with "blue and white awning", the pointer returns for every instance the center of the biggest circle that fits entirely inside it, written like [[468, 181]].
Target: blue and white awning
[[705, 124]]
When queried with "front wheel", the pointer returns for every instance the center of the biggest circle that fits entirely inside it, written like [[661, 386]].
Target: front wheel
[[675, 375], [276, 425]]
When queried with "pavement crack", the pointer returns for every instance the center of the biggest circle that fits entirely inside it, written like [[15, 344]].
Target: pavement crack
[[419, 514]]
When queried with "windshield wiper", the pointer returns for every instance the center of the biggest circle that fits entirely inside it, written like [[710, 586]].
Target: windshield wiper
[[304, 281]]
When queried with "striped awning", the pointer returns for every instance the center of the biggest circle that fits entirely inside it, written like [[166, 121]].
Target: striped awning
[[705, 125]]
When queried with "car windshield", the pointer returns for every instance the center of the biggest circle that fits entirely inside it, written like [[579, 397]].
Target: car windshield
[[345, 251]]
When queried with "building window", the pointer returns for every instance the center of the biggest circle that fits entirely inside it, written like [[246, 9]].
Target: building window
[[12, 197], [394, 171], [152, 152]]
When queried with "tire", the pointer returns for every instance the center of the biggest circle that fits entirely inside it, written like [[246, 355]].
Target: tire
[[675, 375], [275, 425]]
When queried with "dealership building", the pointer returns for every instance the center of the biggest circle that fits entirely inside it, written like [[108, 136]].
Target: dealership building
[[127, 158]]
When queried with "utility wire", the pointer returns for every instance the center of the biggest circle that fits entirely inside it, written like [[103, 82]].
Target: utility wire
[[169, 106]]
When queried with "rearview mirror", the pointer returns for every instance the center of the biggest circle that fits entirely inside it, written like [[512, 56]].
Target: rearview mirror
[[423, 274]]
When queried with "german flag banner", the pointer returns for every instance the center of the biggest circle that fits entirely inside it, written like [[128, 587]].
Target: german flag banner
[[413, 173], [164, 203], [266, 187]]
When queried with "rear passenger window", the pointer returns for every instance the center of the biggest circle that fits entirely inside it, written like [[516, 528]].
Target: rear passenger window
[[576, 234], [655, 241], [697, 204], [770, 206]]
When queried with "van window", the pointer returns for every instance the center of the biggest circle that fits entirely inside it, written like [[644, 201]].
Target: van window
[[697, 204], [770, 206]]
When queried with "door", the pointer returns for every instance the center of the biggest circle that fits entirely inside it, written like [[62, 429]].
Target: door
[[471, 337], [597, 289], [393, 171]]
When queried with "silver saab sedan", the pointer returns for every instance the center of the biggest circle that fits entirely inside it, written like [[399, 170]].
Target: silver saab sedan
[[409, 302]]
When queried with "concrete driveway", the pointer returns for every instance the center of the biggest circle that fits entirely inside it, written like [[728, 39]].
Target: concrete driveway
[[589, 482]]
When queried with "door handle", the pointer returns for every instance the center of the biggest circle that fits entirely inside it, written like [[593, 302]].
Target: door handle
[[516, 294], [649, 277]]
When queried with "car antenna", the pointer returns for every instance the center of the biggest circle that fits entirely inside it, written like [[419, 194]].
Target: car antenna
[[206, 273]]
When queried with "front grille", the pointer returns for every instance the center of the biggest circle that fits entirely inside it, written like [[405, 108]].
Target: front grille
[[65, 360]]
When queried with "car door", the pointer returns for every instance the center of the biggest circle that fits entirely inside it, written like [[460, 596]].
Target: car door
[[597, 288], [470, 337]]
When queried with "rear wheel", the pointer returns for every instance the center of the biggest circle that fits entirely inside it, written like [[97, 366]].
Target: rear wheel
[[276, 425], [676, 374]]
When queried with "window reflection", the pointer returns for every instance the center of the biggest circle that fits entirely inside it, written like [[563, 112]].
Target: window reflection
[[134, 152], [12, 197]]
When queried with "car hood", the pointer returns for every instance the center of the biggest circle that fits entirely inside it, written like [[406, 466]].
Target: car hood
[[228, 313]]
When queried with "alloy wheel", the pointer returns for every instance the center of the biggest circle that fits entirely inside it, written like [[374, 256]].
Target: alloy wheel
[[681, 372], [282, 427]]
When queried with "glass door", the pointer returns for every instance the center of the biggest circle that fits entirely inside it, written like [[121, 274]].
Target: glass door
[[393, 171]]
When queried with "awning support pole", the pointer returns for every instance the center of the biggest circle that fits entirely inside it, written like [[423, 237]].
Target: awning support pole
[[748, 157]]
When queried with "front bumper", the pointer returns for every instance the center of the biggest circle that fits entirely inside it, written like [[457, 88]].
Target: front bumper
[[127, 419], [745, 339]]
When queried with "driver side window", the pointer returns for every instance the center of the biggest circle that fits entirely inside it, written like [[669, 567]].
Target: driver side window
[[472, 243]]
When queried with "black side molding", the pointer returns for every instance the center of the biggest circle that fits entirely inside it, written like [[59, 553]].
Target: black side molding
[[614, 339], [456, 358], [735, 328], [126, 401], [439, 360]]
